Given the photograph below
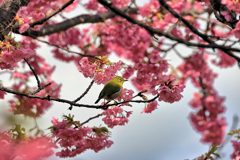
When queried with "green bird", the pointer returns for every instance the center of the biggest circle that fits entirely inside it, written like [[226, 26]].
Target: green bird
[[112, 89]]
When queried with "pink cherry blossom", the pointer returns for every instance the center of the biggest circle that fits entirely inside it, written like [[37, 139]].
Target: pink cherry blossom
[[98, 78], [170, 95], [236, 153], [128, 73], [155, 58], [2, 93], [8, 58], [236, 31], [115, 117], [24, 27], [150, 107], [54, 121], [223, 60], [30, 149], [226, 15]]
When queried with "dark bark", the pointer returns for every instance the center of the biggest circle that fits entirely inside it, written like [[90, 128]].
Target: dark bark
[[8, 10]]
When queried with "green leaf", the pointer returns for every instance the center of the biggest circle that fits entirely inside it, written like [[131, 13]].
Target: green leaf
[[231, 133], [52, 127], [216, 154], [213, 149], [238, 131], [104, 129], [99, 57]]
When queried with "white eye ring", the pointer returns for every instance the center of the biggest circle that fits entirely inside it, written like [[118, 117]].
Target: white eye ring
[[119, 80]]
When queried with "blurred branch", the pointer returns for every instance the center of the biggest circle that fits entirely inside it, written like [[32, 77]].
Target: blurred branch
[[228, 138], [54, 45]]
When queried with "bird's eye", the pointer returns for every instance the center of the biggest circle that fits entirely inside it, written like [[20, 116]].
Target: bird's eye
[[119, 80]]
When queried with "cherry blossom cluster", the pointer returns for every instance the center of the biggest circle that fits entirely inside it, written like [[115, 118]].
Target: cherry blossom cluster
[[35, 11], [14, 144], [209, 105], [223, 60], [126, 40], [23, 105], [134, 43], [2, 93], [150, 76], [75, 139], [150, 107], [126, 95], [101, 75], [95, 6], [236, 147], [236, 144], [33, 107], [13, 52], [115, 116]]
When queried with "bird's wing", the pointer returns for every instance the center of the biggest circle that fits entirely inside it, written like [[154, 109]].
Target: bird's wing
[[110, 90]]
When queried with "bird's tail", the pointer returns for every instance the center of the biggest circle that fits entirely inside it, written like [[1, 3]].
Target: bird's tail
[[97, 100]]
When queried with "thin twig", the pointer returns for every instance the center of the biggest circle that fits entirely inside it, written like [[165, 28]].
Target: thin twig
[[41, 88], [38, 82], [84, 93], [204, 96], [176, 51], [34, 73], [79, 98], [80, 54], [91, 119], [169, 49]]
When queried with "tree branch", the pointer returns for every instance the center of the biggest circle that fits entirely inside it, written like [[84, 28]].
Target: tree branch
[[153, 31], [135, 101], [194, 30], [91, 119], [82, 19], [49, 98], [218, 7]]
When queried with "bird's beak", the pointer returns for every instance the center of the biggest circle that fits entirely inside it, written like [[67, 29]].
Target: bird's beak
[[125, 80]]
